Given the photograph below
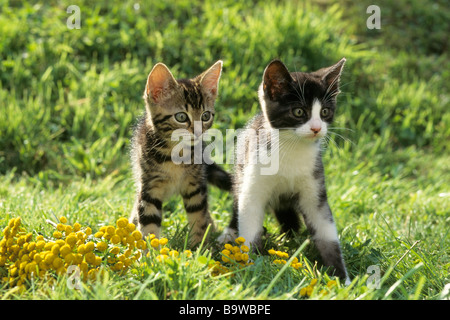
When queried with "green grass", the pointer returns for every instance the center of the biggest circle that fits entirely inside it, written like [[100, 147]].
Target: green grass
[[69, 99]]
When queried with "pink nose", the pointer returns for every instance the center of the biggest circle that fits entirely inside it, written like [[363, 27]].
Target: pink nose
[[316, 130], [315, 126]]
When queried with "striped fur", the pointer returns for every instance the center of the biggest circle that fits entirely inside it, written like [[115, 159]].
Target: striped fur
[[157, 177]]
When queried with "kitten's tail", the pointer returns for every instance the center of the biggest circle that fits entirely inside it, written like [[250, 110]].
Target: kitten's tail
[[219, 177]]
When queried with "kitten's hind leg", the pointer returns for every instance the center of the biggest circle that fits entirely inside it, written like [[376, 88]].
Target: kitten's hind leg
[[287, 214]]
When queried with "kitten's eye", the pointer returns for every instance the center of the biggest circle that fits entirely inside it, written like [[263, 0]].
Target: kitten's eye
[[298, 112], [181, 117], [206, 116], [325, 112]]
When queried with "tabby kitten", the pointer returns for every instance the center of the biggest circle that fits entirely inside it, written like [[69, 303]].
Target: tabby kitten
[[301, 106], [170, 105]]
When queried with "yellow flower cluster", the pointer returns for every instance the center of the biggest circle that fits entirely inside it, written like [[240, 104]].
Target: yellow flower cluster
[[232, 256], [308, 290], [282, 258], [237, 253], [163, 252], [25, 257]]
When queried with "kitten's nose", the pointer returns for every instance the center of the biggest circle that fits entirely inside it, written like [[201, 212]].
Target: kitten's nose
[[316, 126]]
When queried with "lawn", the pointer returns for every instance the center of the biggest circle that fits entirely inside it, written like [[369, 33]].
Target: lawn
[[70, 97]]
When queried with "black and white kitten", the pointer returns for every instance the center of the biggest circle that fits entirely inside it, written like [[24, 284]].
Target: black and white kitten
[[301, 106]]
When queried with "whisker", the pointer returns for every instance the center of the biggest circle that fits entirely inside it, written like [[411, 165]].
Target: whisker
[[342, 137]]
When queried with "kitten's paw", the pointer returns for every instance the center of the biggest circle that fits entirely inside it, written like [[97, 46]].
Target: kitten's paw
[[347, 281], [228, 235]]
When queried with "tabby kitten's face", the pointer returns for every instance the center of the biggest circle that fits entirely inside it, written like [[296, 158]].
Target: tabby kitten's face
[[301, 103], [179, 104]]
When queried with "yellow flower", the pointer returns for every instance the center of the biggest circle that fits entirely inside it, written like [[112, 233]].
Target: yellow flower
[[228, 246], [60, 227], [164, 251], [115, 239], [235, 249], [141, 244], [272, 252], [55, 249], [313, 282], [98, 234], [331, 283], [63, 219], [80, 236], [98, 261], [297, 265], [115, 250], [71, 240], [76, 227], [130, 241], [188, 253], [68, 229], [57, 263], [137, 235], [161, 257], [244, 248], [118, 266], [110, 230], [90, 246], [88, 231], [303, 292], [90, 257], [122, 222], [64, 250], [102, 246], [48, 246], [131, 227], [69, 258], [163, 241], [238, 256], [57, 235], [154, 243], [81, 249], [121, 232], [49, 257], [61, 270], [240, 240]]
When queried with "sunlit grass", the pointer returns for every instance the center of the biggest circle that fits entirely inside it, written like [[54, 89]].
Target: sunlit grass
[[69, 99]]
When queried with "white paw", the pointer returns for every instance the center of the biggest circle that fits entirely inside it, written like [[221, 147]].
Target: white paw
[[228, 235], [347, 281]]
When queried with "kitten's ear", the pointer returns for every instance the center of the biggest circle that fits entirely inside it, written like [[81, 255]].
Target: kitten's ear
[[160, 83], [332, 75], [276, 79], [209, 79]]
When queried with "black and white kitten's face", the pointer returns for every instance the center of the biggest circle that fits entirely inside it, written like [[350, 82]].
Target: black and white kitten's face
[[302, 103]]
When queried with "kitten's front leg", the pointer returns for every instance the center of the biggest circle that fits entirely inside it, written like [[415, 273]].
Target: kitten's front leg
[[321, 225], [195, 199], [147, 212], [252, 201]]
